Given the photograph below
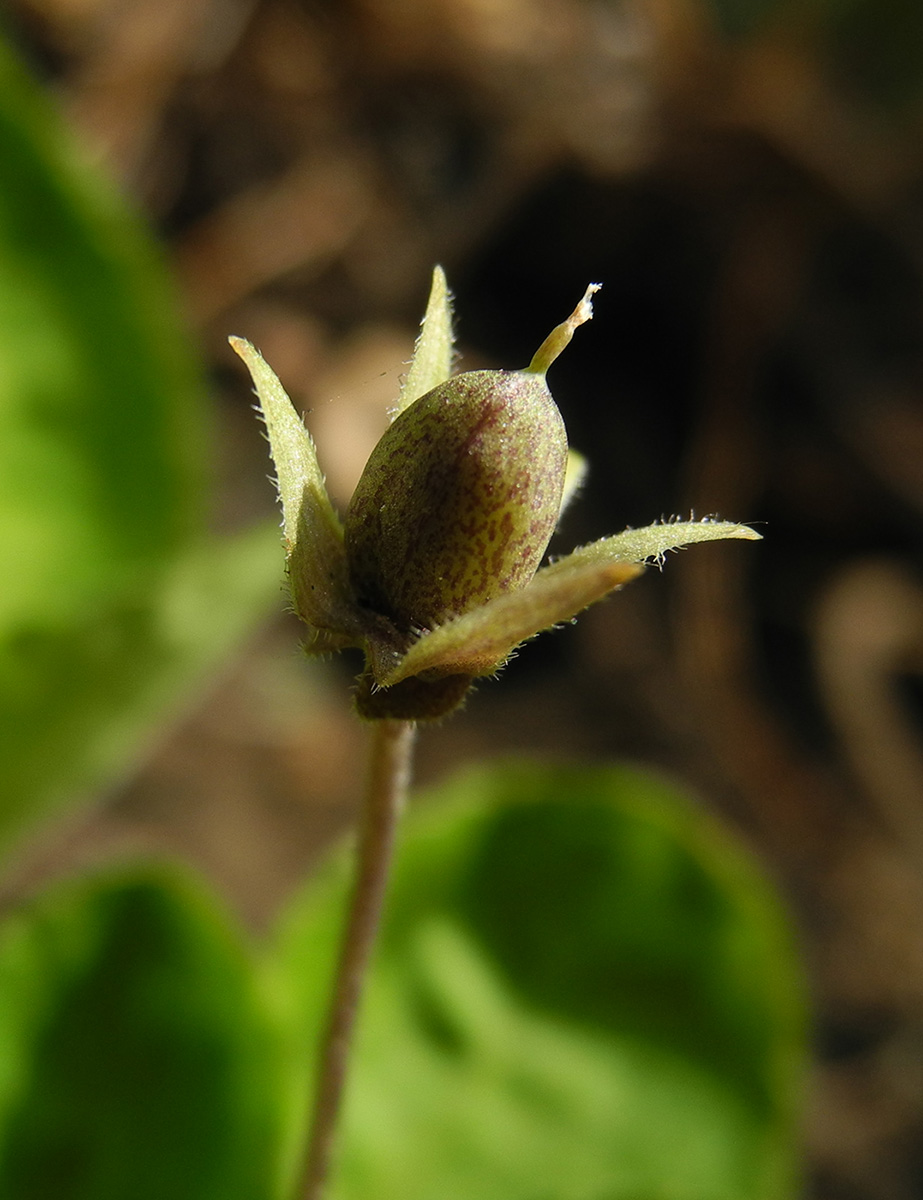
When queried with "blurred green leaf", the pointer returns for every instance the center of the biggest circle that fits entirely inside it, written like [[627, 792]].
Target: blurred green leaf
[[135, 1056], [78, 709], [107, 611], [585, 991]]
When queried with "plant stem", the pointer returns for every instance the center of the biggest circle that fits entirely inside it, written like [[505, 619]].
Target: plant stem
[[388, 780]]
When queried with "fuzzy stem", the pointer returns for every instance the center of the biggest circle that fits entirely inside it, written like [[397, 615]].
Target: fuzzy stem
[[388, 780]]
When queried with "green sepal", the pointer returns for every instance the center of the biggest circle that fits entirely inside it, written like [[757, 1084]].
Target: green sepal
[[433, 354], [479, 642], [311, 527], [652, 542]]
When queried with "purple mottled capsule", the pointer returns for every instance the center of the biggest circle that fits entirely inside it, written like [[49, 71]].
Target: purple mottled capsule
[[459, 499]]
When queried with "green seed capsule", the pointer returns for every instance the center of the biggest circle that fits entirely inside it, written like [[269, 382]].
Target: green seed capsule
[[458, 500]]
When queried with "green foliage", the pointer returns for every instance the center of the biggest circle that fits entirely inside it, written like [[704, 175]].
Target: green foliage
[[135, 1055], [584, 990], [112, 601]]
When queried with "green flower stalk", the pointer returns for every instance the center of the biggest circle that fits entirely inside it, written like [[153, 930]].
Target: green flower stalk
[[435, 573]]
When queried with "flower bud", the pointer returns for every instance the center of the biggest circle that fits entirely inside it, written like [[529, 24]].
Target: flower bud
[[458, 500], [435, 575]]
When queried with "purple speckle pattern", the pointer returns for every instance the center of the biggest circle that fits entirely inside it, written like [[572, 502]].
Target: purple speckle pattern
[[458, 500]]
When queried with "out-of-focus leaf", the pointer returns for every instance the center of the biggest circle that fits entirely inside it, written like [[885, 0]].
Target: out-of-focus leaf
[[78, 709], [135, 1056], [585, 990], [106, 610]]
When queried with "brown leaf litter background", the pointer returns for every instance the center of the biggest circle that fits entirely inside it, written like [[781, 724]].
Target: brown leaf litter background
[[747, 180]]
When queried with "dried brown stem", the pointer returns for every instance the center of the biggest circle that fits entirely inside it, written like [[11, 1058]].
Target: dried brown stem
[[389, 777]]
